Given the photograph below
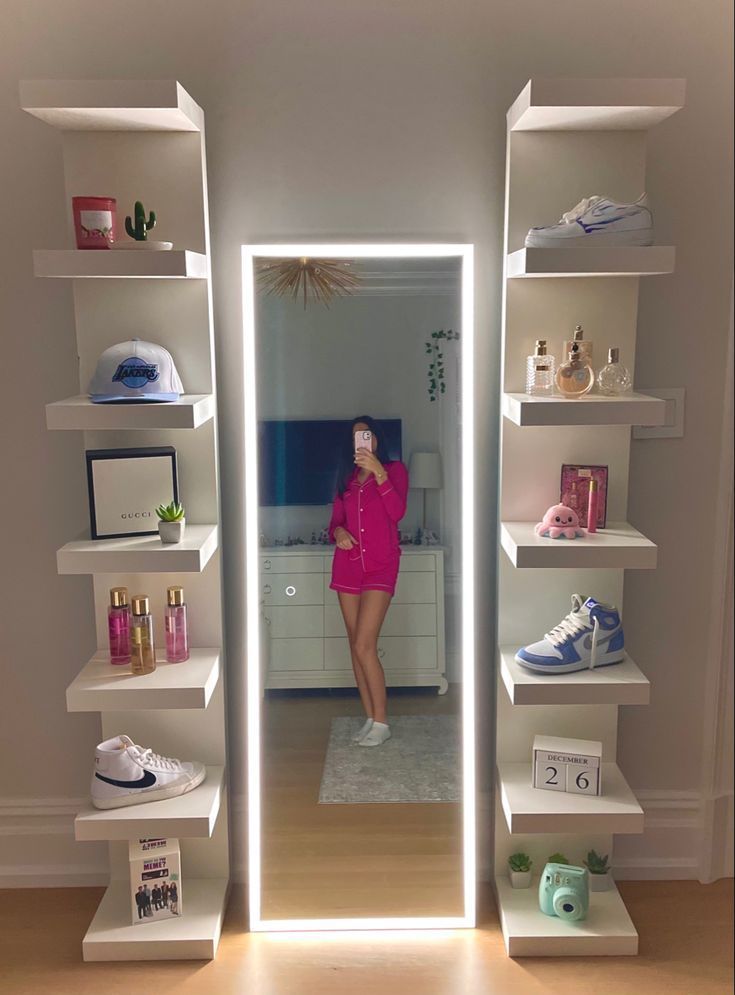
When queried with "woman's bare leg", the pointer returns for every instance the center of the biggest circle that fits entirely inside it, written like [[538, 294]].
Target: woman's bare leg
[[373, 606], [350, 605]]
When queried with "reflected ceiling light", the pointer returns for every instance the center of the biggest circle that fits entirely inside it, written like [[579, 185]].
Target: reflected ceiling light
[[305, 276]]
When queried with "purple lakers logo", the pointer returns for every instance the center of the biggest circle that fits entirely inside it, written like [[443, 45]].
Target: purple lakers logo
[[136, 372]]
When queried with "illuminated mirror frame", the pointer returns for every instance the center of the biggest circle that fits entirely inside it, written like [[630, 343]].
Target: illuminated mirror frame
[[254, 683]]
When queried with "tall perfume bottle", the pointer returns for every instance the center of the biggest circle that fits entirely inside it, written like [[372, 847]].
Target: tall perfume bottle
[[584, 345], [575, 377], [614, 378], [118, 626], [177, 635], [540, 371], [143, 651]]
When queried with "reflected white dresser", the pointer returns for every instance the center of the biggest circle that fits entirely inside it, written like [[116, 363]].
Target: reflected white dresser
[[304, 642]]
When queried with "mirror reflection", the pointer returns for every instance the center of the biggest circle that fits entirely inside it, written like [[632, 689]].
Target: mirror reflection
[[358, 393]]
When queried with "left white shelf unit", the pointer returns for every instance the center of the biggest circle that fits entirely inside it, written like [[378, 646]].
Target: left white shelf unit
[[144, 140]]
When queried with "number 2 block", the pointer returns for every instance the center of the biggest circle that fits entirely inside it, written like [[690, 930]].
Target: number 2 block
[[550, 776]]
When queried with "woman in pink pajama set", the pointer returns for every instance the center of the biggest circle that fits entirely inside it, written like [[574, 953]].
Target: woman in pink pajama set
[[370, 502]]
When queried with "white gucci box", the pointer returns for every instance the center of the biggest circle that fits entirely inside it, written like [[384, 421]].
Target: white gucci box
[[573, 765], [155, 880]]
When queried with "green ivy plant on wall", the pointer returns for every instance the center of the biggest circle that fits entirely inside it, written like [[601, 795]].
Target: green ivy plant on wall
[[437, 382]]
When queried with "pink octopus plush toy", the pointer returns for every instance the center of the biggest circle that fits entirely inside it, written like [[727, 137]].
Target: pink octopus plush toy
[[560, 522]]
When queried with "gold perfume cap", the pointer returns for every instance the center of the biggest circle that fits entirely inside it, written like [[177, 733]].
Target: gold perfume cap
[[141, 604], [541, 347], [118, 597], [578, 333], [613, 355], [175, 596]]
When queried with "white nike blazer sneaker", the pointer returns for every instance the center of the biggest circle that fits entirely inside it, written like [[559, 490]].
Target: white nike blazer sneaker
[[597, 221], [126, 774]]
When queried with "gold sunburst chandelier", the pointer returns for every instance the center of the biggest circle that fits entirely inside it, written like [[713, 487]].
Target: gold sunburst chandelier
[[321, 278]]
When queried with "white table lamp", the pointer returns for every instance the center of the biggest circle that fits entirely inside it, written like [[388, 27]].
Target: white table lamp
[[425, 473]]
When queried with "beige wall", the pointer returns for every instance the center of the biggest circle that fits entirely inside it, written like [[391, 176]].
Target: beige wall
[[341, 118]]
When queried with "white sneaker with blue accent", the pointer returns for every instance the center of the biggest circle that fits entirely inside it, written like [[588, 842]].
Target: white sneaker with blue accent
[[597, 221], [590, 636], [126, 774]]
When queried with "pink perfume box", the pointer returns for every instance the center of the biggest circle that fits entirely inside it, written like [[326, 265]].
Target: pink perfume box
[[575, 485]]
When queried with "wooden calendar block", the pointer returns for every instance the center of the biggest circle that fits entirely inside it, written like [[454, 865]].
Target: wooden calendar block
[[573, 765]]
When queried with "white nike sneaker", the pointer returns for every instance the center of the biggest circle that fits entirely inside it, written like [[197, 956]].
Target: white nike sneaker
[[590, 636], [597, 221], [126, 774]]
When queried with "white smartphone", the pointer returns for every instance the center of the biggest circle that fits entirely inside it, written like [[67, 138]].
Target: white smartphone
[[364, 440]]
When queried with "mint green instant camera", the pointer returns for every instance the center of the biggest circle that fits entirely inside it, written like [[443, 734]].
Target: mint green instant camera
[[564, 891]]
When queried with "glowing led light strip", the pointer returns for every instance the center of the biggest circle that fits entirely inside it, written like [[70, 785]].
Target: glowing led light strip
[[374, 250]]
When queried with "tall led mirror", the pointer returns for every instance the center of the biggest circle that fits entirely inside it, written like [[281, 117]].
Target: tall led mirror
[[360, 579]]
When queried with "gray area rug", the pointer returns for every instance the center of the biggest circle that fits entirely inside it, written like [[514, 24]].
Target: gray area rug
[[419, 763]]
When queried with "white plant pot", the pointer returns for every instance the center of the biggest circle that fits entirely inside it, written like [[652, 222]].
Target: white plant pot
[[600, 882], [520, 879], [171, 531], [147, 244]]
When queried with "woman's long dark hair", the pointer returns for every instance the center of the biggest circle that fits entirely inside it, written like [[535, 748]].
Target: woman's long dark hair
[[346, 464]]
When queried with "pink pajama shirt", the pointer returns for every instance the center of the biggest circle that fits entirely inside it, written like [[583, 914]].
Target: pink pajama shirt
[[370, 513]]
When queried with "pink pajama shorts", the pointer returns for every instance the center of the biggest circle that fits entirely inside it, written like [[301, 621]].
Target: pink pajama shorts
[[349, 576]]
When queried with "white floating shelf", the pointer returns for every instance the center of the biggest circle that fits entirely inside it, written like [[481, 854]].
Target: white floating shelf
[[618, 546], [595, 104], [590, 261], [620, 684], [536, 810], [102, 687], [592, 409], [111, 105], [190, 411], [140, 554], [192, 936], [81, 264], [528, 932], [191, 815]]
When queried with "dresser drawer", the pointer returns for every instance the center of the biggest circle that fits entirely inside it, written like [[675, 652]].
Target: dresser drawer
[[417, 562], [292, 563], [395, 653], [296, 654], [292, 589], [411, 589], [294, 621], [401, 620]]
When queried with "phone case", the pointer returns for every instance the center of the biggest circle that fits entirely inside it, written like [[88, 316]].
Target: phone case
[[363, 440]]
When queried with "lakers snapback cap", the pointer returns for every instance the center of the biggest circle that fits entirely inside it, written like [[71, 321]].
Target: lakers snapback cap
[[135, 371]]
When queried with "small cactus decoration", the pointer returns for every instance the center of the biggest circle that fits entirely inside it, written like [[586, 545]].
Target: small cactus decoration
[[557, 858], [520, 862], [596, 864], [170, 512], [140, 231]]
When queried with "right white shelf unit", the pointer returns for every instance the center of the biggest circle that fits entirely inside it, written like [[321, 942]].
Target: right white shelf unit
[[568, 139]]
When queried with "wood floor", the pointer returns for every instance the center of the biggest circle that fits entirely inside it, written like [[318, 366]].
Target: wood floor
[[686, 949], [324, 861]]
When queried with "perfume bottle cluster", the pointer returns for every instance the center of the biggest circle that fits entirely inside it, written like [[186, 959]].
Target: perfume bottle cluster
[[575, 375], [131, 631]]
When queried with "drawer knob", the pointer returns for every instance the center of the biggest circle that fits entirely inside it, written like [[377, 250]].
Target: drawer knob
[[381, 653], [266, 589], [290, 590], [267, 564]]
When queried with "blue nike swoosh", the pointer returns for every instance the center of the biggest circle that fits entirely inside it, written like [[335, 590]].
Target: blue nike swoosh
[[145, 781]]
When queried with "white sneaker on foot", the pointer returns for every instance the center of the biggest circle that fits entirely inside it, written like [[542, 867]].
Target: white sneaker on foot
[[597, 221], [126, 774], [363, 730], [377, 735]]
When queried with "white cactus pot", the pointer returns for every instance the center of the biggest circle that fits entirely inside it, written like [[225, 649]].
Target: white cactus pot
[[147, 244], [520, 879], [600, 882], [171, 531]]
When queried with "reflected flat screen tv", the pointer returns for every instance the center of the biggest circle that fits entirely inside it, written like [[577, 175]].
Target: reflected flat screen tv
[[297, 460]]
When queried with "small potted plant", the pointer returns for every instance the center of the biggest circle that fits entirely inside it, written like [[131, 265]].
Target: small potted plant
[[557, 858], [600, 875], [172, 522], [519, 865], [138, 231]]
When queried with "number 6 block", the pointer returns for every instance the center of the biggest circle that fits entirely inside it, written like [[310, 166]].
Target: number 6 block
[[572, 765]]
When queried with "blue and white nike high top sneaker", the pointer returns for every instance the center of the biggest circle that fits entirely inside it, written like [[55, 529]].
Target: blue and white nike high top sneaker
[[126, 774], [597, 221], [590, 636]]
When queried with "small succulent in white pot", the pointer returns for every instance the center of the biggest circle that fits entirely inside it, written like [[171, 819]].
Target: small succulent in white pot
[[172, 522], [519, 866], [600, 876]]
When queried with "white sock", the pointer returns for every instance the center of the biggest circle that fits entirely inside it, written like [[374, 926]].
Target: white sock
[[364, 728], [377, 735]]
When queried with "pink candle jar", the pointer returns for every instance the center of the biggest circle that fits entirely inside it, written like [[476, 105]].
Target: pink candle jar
[[95, 221]]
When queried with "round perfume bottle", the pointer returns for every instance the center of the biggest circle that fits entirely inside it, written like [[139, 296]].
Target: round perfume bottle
[[614, 378], [540, 372], [575, 377]]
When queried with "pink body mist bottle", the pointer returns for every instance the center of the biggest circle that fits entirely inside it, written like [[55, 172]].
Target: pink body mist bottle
[[118, 626], [177, 636], [592, 504]]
